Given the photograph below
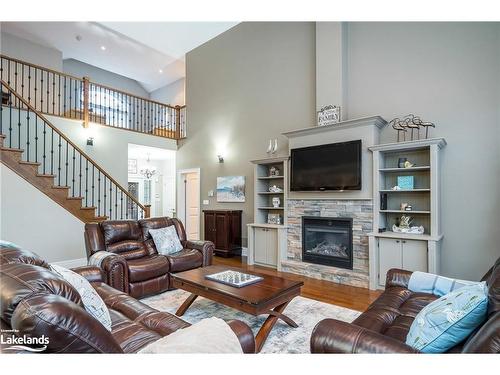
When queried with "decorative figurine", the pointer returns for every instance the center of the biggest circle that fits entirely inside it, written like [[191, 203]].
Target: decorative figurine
[[410, 122], [273, 171], [404, 226], [276, 202], [275, 189]]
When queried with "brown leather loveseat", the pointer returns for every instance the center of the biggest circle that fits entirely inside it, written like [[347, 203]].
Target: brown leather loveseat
[[384, 326], [34, 301], [128, 256]]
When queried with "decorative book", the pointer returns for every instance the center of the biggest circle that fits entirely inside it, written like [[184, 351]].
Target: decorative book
[[405, 182], [234, 278]]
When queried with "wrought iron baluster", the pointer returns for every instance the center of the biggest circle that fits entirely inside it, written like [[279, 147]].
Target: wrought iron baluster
[[76, 98], [73, 172], [48, 93], [52, 151], [93, 174], [69, 101], [86, 182], [28, 134], [99, 192], [44, 156], [104, 197], [53, 93], [121, 205], [64, 100], [10, 119], [66, 165], [116, 202], [110, 200], [59, 162], [80, 177], [59, 96]]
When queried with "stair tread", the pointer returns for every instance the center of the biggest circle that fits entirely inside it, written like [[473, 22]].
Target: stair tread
[[76, 198], [46, 175], [11, 149], [61, 187], [30, 163], [89, 208]]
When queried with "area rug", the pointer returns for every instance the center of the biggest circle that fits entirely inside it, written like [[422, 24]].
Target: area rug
[[282, 339]]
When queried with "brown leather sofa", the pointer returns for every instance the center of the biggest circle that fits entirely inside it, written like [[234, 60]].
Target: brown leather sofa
[[35, 302], [384, 326], [132, 264]]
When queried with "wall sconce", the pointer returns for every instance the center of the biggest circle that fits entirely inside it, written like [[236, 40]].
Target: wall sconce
[[221, 158], [90, 141]]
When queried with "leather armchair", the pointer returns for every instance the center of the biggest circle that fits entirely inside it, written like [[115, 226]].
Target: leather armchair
[[383, 327], [127, 255], [35, 301]]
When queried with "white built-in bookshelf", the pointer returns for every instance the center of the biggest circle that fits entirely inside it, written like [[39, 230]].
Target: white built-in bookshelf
[[390, 249]]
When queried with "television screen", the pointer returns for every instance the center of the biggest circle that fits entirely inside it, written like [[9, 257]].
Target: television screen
[[335, 166]]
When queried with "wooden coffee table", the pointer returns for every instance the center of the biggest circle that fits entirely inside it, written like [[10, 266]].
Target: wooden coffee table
[[269, 296]]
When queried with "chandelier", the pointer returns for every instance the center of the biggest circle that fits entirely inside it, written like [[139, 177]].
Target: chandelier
[[148, 172]]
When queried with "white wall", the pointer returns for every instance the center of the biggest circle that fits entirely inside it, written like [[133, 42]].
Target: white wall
[[173, 94], [105, 77], [446, 73], [35, 222], [23, 49]]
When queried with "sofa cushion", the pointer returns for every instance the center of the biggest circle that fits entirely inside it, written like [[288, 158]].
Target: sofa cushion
[[120, 230], [449, 320], [396, 306], [147, 267], [184, 260]]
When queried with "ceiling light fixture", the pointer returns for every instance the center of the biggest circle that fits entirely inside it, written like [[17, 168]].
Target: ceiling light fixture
[[103, 48], [160, 71]]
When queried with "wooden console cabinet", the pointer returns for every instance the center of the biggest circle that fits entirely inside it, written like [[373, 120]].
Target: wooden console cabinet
[[223, 228]]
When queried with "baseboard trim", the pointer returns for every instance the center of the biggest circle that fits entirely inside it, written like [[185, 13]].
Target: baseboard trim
[[72, 263]]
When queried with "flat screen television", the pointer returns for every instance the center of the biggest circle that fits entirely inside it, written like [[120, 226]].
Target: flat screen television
[[335, 166]]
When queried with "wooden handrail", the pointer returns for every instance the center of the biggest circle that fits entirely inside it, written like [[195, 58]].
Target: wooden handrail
[[132, 95], [39, 67], [85, 106], [56, 130]]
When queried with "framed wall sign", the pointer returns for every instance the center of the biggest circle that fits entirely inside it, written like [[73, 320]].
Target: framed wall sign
[[328, 115]]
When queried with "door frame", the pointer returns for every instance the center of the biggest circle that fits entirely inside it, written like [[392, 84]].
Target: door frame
[[181, 212]]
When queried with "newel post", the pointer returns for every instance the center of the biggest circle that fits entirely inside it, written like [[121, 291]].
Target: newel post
[[177, 122], [86, 101], [147, 211]]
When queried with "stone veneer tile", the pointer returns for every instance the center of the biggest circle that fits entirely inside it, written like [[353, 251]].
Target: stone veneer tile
[[361, 212]]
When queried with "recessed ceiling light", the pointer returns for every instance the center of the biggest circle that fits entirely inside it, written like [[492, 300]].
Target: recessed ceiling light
[[160, 71], [103, 48]]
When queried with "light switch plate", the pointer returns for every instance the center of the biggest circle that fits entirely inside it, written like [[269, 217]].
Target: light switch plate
[[210, 193], [206, 202]]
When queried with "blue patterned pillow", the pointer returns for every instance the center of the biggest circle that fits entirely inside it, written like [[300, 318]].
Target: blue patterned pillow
[[447, 321]]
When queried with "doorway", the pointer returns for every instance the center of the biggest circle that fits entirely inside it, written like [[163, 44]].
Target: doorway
[[188, 201]]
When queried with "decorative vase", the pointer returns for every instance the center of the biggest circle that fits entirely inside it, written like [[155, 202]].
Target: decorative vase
[[276, 202]]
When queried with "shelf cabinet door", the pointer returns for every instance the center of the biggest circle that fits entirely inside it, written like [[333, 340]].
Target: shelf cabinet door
[[414, 255], [390, 256], [221, 235], [260, 245], [272, 247], [210, 227]]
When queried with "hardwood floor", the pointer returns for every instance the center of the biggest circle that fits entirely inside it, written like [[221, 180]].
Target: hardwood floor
[[325, 291]]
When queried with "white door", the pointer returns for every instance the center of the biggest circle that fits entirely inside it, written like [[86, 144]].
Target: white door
[[260, 245], [192, 205], [272, 247], [390, 256], [415, 255]]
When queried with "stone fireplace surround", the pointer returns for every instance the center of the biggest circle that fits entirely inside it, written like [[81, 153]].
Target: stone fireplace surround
[[357, 205], [361, 213]]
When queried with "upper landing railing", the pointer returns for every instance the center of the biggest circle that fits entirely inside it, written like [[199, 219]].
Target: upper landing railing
[[59, 94]]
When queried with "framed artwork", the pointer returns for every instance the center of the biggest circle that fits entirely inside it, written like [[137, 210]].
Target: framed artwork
[[231, 189], [132, 166]]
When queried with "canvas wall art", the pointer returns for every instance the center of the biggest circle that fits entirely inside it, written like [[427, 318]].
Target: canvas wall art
[[231, 189]]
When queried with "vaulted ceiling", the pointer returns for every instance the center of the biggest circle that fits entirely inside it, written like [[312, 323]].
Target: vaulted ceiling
[[152, 53]]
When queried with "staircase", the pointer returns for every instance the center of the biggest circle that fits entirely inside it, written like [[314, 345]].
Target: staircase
[[40, 153]]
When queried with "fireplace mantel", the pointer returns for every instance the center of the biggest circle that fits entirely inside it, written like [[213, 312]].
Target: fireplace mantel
[[375, 121]]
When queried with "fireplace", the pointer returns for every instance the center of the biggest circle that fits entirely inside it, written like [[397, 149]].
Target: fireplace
[[327, 241]]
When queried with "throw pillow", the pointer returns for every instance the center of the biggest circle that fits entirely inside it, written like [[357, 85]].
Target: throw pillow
[[92, 301], [424, 282], [166, 240], [447, 321]]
